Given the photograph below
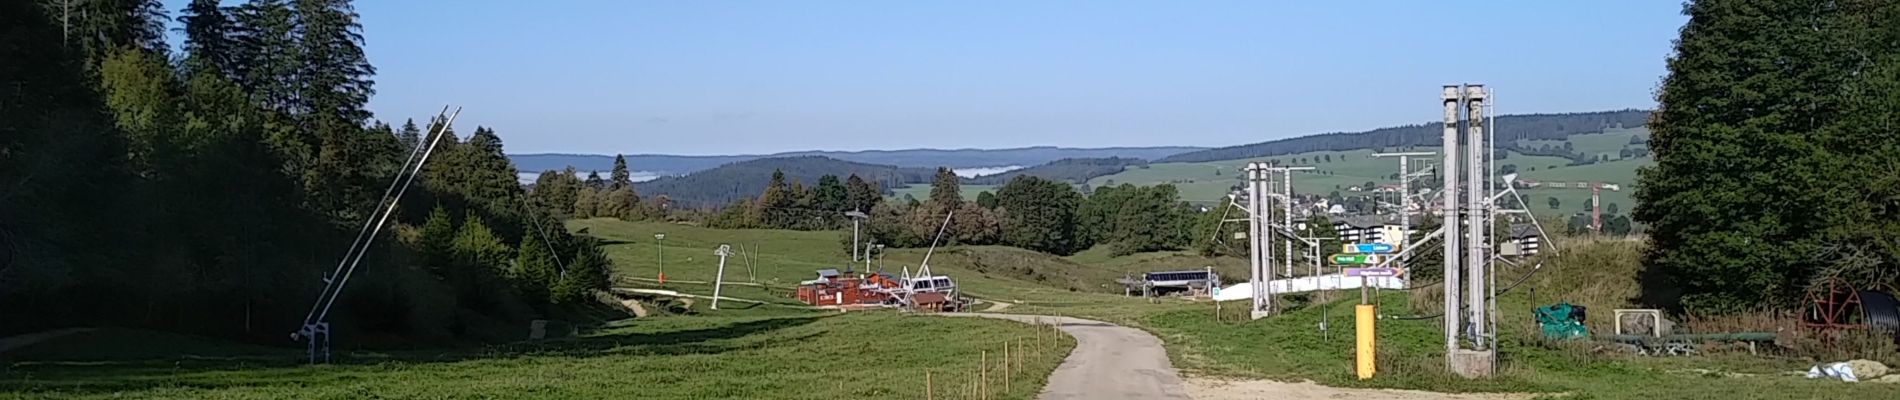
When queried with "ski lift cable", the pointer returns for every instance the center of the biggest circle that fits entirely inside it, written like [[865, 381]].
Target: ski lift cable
[[544, 236]]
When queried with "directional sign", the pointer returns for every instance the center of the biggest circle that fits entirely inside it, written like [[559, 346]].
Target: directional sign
[[1369, 248], [1374, 272], [1355, 259]]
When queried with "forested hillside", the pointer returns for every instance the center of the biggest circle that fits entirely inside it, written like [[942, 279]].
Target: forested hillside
[[1514, 128], [722, 185], [213, 191], [915, 158], [1071, 170]]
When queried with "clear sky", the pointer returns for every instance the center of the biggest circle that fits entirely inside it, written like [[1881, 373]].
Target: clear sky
[[725, 77]]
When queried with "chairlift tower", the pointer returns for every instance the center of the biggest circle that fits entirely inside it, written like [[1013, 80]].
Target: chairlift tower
[[1469, 337], [1260, 252]]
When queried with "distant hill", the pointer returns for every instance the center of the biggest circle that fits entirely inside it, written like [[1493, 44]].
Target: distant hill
[[1516, 127], [721, 185], [1071, 170], [920, 158]]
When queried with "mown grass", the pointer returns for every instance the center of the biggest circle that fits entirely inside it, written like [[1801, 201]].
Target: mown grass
[[1597, 274], [789, 356]]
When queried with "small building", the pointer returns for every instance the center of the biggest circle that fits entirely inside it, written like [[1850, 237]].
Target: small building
[[1192, 283], [1523, 242], [1370, 229], [833, 288]]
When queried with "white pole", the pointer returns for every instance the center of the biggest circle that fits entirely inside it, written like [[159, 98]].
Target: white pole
[[1452, 97], [719, 280], [1287, 220], [1475, 213]]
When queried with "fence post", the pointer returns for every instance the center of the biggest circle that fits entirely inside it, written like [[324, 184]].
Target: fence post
[[927, 394], [1006, 374], [983, 376]]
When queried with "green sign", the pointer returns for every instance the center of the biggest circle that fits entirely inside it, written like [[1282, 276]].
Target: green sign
[[1355, 259]]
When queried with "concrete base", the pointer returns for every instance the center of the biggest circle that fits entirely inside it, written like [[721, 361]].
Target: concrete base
[[1257, 314], [1473, 363]]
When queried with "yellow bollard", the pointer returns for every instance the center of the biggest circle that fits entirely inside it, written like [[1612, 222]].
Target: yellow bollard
[[1365, 314]]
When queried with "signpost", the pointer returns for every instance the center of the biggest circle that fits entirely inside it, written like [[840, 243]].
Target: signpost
[[1374, 272], [1365, 313], [1355, 259], [1368, 248]]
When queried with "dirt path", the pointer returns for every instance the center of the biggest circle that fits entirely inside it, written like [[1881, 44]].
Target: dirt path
[[1224, 389], [1116, 362], [1109, 362], [18, 341], [997, 305]]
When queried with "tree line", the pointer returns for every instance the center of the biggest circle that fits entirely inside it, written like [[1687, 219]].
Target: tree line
[[211, 191], [1521, 127], [1028, 212], [1754, 198]]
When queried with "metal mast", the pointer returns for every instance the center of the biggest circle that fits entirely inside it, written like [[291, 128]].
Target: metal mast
[[1448, 208], [1259, 259], [1477, 216], [1405, 203]]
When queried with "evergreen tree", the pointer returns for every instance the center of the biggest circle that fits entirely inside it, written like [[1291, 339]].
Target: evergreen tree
[[1039, 214], [830, 194], [536, 269], [621, 176], [594, 181], [774, 204], [944, 191], [557, 192], [1723, 234], [986, 199], [588, 274], [210, 41], [861, 195], [435, 241], [410, 136]]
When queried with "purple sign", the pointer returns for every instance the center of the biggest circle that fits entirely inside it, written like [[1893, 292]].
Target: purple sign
[[1373, 272]]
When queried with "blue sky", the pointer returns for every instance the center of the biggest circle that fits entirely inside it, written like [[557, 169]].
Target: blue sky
[[723, 77]]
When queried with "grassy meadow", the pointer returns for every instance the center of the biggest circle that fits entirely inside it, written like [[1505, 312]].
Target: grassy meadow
[[786, 356]]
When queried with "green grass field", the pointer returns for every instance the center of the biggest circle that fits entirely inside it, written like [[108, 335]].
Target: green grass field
[[1597, 275], [781, 351], [1208, 182], [790, 356]]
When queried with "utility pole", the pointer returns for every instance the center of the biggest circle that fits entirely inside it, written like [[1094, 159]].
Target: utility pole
[[1405, 201], [1259, 259], [1467, 299], [1286, 208], [856, 218], [1477, 216], [1453, 97], [719, 280], [661, 238]]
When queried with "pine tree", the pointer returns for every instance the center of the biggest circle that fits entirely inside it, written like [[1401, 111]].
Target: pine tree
[[536, 269], [831, 194], [1722, 232], [621, 176], [435, 240], [944, 191], [410, 136], [589, 273], [210, 43], [861, 195], [594, 181], [774, 202]]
